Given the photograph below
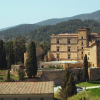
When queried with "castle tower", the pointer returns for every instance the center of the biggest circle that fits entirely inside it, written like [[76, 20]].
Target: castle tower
[[83, 41]]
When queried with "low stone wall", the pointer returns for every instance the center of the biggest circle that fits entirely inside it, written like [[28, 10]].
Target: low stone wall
[[57, 74]]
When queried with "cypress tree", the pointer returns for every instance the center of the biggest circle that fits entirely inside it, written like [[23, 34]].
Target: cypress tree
[[29, 68], [8, 75], [4, 61], [32, 61], [70, 88], [1, 50], [9, 62], [65, 79], [12, 55], [85, 68]]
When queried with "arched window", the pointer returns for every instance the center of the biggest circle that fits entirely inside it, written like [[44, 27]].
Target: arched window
[[68, 56], [29, 99], [42, 99], [82, 47], [68, 49], [15, 99], [82, 52]]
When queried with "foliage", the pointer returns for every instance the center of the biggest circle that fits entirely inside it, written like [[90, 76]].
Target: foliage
[[65, 79], [7, 46], [79, 75], [91, 94], [85, 68], [70, 26], [70, 88], [31, 63], [8, 75], [19, 49], [18, 30], [21, 74], [3, 62], [29, 68]]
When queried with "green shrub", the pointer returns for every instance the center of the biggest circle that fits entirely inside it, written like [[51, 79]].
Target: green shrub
[[21, 73], [57, 67], [1, 78]]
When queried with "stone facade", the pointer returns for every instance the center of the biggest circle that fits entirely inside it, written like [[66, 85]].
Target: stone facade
[[75, 46]]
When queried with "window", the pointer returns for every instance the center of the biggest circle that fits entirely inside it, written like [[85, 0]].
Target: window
[[57, 55], [82, 43], [15, 99], [68, 41], [68, 56], [69, 49], [82, 57], [82, 47], [57, 41], [82, 52], [82, 37], [29, 99], [57, 48], [42, 99], [88, 58]]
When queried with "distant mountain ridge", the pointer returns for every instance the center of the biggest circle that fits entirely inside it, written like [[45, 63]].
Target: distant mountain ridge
[[91, 16]]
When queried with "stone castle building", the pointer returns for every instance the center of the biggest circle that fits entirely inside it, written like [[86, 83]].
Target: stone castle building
[[74, 47]]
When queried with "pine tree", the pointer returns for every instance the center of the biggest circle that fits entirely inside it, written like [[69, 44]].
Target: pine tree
[[32, 61], [70, 88], [85, 68]]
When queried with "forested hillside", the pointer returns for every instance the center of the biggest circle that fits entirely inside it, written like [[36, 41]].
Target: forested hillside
[[89, 16], [18, 30], [70, 26]]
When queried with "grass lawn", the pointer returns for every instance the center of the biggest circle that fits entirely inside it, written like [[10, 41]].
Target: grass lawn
[[89, 83], [91, 94], [11, 76]]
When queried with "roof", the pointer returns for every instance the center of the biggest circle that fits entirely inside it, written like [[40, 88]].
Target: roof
[[26, 87], [94, 34]]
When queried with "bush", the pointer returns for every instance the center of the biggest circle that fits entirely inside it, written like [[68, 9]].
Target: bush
[[57, 67], [1, 78], [21, 73], [51, 66], [10, 80]]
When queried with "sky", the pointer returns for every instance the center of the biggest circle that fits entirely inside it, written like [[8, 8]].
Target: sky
[[16, 12]]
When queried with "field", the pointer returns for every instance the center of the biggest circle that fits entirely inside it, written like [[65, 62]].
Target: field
[[91, 94]]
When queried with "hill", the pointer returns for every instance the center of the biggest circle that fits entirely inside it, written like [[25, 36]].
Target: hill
[[91, 16], [18, 30], [70, 26]]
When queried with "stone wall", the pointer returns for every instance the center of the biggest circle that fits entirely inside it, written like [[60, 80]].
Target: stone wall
[[57, 75]]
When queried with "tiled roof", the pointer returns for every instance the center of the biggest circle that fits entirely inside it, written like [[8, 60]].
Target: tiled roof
[[94, 34], [68, 34], [26, 87]]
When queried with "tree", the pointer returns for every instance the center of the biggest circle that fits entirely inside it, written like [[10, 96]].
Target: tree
[[85, 68], [29, 68], [1, 50], [21, 73], [70, 88], [9, 62], [65, 79], [8, 75], [4, 61], [31, 63]]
